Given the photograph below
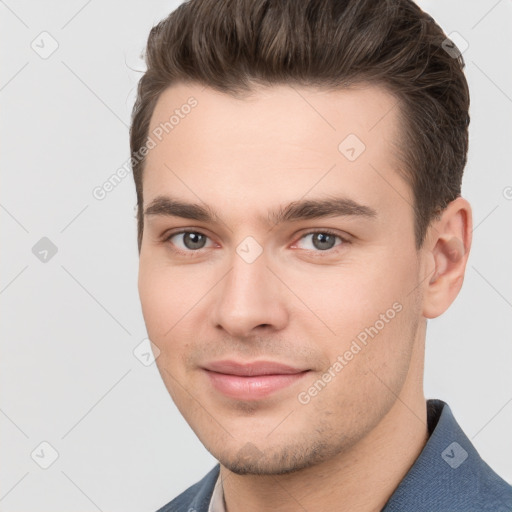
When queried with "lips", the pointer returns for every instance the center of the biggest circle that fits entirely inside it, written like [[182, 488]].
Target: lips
[[252, 369], [251, 381]]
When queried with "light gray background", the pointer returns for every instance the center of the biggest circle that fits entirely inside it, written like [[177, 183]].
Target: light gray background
[[70, 325]]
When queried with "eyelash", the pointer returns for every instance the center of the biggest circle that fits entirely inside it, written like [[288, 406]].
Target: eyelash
[[192, 253]]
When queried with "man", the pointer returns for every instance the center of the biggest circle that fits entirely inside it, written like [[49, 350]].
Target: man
[[298, 171]]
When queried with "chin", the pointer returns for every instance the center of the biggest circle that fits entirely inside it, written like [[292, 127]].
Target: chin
[[250, 460]]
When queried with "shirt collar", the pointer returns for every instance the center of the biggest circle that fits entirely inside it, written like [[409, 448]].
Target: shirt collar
[[449, 473], [217, 503]]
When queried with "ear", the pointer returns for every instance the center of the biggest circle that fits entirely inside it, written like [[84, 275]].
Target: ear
[[448, 242]]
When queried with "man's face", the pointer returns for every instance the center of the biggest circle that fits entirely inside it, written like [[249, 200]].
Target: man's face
[[336, 296]]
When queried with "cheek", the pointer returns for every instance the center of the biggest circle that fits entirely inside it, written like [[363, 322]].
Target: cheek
[[373, 310], [155, 300], [375, 358], [376, 284], [167, 295], [171, 306], [162, 308], [352, 297]]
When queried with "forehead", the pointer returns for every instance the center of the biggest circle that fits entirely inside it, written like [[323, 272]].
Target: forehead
[[362, 108], [278, 141]]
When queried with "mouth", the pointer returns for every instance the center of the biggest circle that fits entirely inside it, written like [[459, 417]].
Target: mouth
[[252, 381]]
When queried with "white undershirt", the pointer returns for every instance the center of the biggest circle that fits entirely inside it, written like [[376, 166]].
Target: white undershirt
[[217, 502]]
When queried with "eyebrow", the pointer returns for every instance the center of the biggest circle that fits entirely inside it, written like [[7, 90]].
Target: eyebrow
[[294, 211]]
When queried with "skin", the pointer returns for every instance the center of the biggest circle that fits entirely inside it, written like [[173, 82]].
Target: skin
[[353, 442]]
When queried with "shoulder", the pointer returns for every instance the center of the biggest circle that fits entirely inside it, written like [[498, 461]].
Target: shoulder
[[491, 492], [467, 477], [449, 475], [197, 497]]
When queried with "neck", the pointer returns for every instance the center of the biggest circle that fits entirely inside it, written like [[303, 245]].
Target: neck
[[361, 478]]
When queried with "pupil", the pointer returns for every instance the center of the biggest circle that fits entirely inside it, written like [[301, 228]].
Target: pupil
[[194, 240], [323, 241]]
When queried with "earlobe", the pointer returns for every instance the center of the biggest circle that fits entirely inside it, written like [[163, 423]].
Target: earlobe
[[450, 238]]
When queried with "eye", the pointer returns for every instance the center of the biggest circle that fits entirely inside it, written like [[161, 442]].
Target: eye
[[187, 241], [320, 241], [193, 241]]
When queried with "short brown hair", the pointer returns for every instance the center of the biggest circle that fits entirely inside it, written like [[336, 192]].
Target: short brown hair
[[232, 45]]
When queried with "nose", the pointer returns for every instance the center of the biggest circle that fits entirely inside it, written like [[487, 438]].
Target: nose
[[249, 298]]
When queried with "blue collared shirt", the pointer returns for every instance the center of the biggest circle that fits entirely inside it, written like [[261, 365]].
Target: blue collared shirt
[[448, 476]]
